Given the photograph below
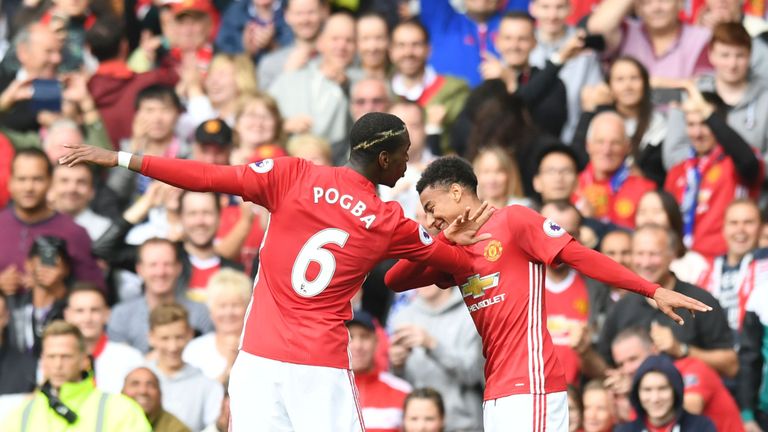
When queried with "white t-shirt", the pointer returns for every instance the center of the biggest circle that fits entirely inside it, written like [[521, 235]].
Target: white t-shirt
[[114, 363], [201, 353]]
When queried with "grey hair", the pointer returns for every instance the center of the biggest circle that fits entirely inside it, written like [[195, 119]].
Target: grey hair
[[672, 238], [600, 117], [59, 125]]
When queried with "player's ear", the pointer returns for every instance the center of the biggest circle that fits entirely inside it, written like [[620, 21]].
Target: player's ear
[[384, 159], [456, 191]]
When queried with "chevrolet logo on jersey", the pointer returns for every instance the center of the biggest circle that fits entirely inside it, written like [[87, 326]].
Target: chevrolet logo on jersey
[[477, 285]]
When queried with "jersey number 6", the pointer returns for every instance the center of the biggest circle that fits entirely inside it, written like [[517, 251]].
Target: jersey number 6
[[313, 251]]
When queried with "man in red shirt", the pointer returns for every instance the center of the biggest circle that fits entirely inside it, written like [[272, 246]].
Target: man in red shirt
[[525, 383], [327, 230], [723, 167], [704, 394], [381, 394], [610, 187]]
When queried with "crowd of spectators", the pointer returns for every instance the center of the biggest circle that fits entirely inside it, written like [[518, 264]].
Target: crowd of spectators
[[639, 126]]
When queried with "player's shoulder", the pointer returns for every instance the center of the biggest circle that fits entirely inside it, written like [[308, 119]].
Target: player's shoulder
[[280, 164], [394, 382]]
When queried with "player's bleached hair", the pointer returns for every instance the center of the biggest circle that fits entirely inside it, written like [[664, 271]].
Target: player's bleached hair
[[228, 282], [376, 132], [446, 171]]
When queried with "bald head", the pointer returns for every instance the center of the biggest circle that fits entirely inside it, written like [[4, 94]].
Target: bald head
[[142, 385], [607, 143], [337, 40], [368, 95]]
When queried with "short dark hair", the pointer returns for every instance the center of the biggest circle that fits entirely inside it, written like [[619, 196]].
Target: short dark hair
[[519, 15], [216, 201], [412, 22], [446, 171], [105, 37], [565, 205], [158, 92], [33, 152], [376, 132], [427, 393], [48, 243], [557, 148]]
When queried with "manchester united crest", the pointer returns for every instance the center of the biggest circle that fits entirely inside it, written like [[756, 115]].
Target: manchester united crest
[[493, 250]]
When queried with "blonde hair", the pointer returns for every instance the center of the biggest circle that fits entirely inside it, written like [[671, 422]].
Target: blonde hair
[[245, 71], [507, 163], [63, 328], [250, 99], [228, 281], [168, 314], [298, 142]]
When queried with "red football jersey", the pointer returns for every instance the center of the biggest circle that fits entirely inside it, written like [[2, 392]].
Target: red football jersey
[[327, 230], [618, 207], [720, 185], [719, 405], [567, 307], [507, 302]]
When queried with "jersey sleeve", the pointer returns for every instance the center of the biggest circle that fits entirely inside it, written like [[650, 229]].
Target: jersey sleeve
[[696, 380], [265, 182], [412, 242], [537, 236]]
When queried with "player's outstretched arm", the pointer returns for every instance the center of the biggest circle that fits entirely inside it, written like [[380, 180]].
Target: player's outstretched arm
[[185, 174], [600, 267], [407, 275]]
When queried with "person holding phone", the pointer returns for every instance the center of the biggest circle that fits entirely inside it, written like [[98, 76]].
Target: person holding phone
[[48, 266]]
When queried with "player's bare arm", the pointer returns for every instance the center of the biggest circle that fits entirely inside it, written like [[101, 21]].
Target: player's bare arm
[[598, 266]]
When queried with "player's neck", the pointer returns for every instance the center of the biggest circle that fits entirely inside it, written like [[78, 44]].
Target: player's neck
[[369, 171]]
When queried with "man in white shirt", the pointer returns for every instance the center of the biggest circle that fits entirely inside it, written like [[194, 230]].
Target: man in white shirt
[[87, 310]]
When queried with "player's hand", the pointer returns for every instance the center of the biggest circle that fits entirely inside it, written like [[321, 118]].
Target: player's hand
[[664, 340], [667, 300], [752, 426], [463, 231], [77, 154]]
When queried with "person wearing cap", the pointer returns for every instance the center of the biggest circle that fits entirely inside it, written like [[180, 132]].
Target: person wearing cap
[[382, 394], [213, 142], [48, 264]]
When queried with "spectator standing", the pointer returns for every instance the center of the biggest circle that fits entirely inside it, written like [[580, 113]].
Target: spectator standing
[[435, 344], [187, 394], [16, 367], [142, 385], [80, 406], [87, 309]]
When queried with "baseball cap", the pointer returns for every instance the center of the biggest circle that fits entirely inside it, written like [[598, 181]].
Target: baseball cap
[[216, 132], [363, 318], [191, 6]]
